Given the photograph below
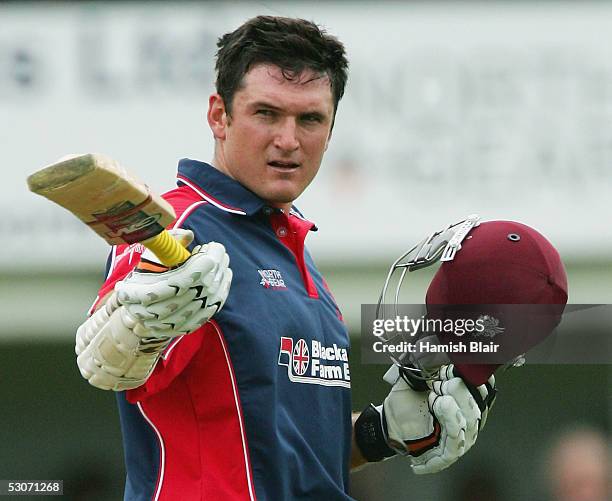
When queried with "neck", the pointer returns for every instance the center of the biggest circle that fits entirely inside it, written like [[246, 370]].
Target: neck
[[218, 161]]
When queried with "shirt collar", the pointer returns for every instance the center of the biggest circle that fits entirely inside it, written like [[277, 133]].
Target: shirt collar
[[221, 190], [217, 188]]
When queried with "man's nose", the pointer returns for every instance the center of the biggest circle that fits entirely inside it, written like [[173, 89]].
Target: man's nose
[[286, 136]]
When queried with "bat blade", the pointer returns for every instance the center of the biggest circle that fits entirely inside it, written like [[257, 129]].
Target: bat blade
[[111, 201]]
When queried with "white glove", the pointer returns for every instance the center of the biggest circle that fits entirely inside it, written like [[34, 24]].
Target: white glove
[[434, 428], [182, 299], [484, 395], [114, 351], [119, 345]]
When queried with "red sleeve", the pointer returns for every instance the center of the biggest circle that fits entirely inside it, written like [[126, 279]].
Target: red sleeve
[[123, 260]]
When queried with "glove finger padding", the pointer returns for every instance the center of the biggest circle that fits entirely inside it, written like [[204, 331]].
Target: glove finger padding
[[488, 392], [483, 395], [218, 295], [465, 402], [216, 252], [448, 413], [189, 311], [162, 309], [188, 318], [182, 299], [452, 438], [215, 288], [114, 352], [145, 288]]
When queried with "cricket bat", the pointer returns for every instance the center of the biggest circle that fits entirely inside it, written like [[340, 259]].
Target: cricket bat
[[112, 202]]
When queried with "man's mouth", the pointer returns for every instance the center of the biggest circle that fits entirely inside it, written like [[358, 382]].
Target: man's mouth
[[280, 164]]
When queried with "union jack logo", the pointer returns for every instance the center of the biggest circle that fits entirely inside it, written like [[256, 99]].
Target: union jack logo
[[296, 357], [301, 357]]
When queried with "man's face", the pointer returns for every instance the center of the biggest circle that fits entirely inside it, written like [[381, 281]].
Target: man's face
[[274, 140]]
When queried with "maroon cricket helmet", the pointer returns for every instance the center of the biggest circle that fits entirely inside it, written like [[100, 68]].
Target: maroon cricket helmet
[[503, 263]]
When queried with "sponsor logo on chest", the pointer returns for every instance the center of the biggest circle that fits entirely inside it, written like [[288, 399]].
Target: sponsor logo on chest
[[314, 363], [271, 279]]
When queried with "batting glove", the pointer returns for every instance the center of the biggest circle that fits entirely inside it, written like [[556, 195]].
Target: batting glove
[[114, 351], [119, 345], [432, 428], [179, 300]]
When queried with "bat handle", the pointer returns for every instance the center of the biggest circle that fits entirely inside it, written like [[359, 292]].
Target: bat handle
[[167, 249]]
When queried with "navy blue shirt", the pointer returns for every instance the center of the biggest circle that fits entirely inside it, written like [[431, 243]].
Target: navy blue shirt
[[256, 403]]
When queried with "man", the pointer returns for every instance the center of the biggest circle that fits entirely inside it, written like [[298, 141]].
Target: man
[[578, 465], [255, 402]]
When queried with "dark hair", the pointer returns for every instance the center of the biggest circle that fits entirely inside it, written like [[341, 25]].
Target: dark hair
[[294, 45]]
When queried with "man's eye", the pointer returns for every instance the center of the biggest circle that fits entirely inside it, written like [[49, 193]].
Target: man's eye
[[312, 118], [265, 113]]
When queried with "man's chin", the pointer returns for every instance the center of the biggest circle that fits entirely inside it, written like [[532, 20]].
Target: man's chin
[[285, 197], [282, 202]]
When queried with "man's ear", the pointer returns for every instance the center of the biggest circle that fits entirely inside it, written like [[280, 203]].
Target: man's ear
[[217, 116]]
